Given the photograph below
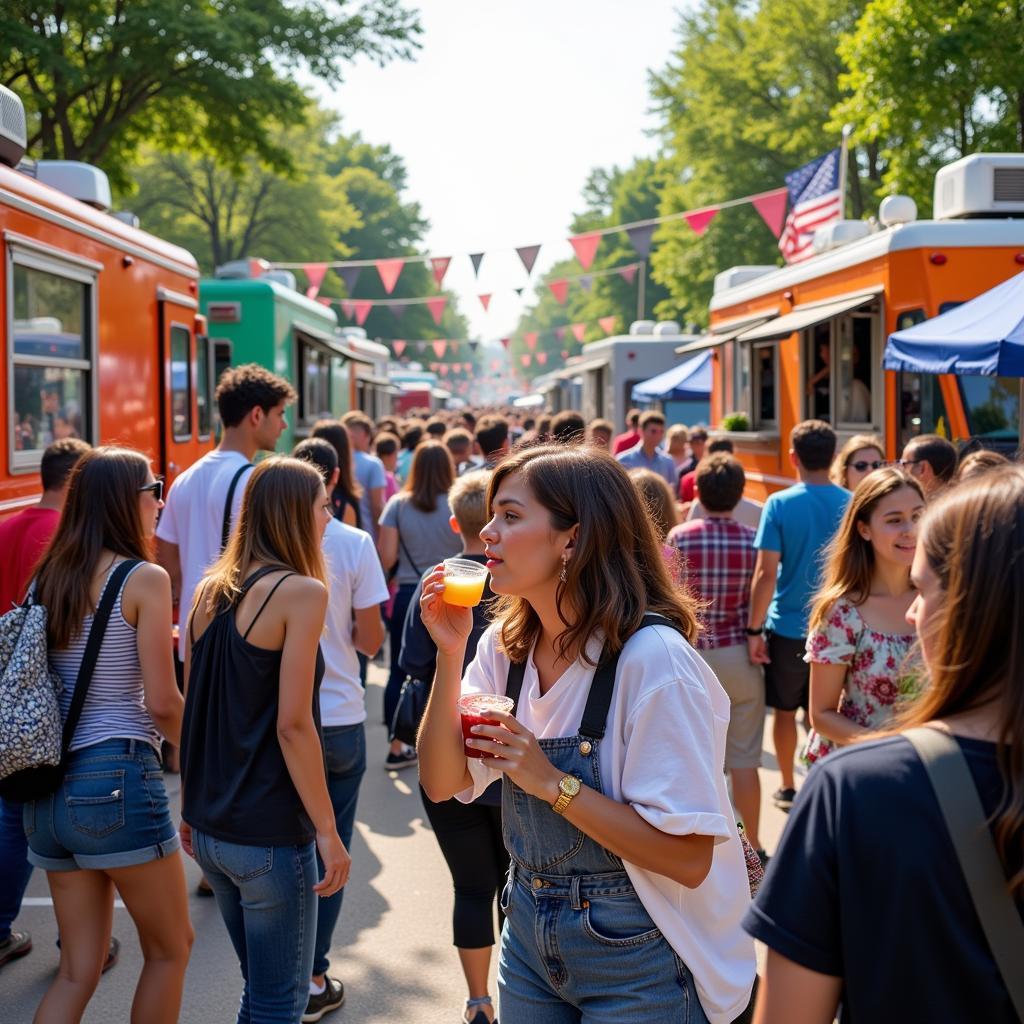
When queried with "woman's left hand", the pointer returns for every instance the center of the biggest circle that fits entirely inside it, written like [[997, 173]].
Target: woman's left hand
[[514, 750]]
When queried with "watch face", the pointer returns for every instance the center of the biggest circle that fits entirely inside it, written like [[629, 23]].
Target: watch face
[[569, 785]]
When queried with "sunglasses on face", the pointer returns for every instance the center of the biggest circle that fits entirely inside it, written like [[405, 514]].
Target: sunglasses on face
[[862, 466], [156, 488]]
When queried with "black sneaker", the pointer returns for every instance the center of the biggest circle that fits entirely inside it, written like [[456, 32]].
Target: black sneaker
[[406, 759], [783, 798], [17, 944], [330, 999]]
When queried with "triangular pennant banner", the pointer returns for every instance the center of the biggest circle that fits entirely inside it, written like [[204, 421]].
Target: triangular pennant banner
[[257, 267], [542, 358], [477, 258], [315, 276], [531, 340], [506, 342], [585, 247], [564, 353], [389, 271], [399, 346], [700, 219], [349, 275], [495, 365], [528, 254], [578, 330], [439, 347], [398, 311], [607, 323], [324, 301], [436, 307], [525, 358], [443, 368], [560, 333], [519, 292], [560, 290], [473, 345], [439, 267], [485, 300], [628, 274], [362, 310], [640, 238], [348, 307], [421, 346], [586, 282], [772, 208]]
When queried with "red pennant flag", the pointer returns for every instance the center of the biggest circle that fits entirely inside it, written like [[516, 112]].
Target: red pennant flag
[[772, 207], [525, 358], [607, 323], [528, 254], [443, 368], [564, 353], [389, 271], [348, 307], [506, 342], [323, 301], [315, 276], [560, 290], [257, 267], [399, 346], [531, 340], [439, 347], [585, 247], [560, 333], [439, 267], [436, 307], [628, 274], [700, 219], [578, 330], [542, 358], [362, 311], [485, 300], [495, 365]]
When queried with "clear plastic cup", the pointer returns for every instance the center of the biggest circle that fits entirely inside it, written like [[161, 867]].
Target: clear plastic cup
[[463, 582], [474, 709]]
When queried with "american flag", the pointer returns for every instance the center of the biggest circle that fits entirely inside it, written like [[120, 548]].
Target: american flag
[[814, 201]]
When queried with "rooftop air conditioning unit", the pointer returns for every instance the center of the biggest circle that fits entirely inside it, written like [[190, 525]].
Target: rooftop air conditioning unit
[[735, 276], [233, 270], [641, 327], [666, 329], [83, 182], [982, 185], [282, 277], [13, 130], [840, 233]]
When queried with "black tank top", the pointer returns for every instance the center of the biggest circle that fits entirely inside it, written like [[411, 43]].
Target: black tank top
[[235, 779]]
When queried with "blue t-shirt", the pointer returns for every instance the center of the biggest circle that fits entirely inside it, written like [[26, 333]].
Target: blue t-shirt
[[798, 523]]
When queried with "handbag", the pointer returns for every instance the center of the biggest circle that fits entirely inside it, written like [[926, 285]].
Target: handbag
[[43, 777], [412, 703], [968, 829]]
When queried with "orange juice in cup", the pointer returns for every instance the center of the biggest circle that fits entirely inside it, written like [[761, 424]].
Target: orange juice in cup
[[463, 582]]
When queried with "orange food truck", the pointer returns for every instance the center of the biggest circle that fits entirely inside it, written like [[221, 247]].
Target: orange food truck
[[101, 335], [807, 340]]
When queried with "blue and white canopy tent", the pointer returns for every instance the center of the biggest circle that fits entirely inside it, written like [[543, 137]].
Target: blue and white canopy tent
[[684, 391], [980, 338]]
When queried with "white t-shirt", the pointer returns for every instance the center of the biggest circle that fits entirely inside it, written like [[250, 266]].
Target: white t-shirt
[[356, 581], [663, 754], [193, 518]]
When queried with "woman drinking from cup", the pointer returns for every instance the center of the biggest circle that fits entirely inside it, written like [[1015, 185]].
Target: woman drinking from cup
[[627, 883]]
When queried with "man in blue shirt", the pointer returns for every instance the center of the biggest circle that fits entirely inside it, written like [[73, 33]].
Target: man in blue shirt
[[796, 526], [647, 454]]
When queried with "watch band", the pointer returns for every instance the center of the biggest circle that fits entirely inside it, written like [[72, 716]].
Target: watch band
[[565, 797], [754, 632]]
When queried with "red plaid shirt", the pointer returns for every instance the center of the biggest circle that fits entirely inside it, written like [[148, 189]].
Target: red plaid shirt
[[717, 562]]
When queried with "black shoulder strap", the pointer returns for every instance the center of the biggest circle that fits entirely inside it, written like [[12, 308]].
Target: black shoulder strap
[[225, 526], [401, 540], [514, 682], [92, 648], [273, 590]]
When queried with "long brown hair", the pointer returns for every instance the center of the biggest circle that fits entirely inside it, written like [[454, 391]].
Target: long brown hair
[[276, 526], [841, 463], [335, 434], [973, 538], [850, 559], [431, 474], [617, 573], [658, 498], [101, 512]]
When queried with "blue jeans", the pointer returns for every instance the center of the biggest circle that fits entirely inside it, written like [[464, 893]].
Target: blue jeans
[[265, 895], [14, 866], [345, 754]]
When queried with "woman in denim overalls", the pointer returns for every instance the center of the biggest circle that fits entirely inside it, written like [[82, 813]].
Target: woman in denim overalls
[[618, 813]]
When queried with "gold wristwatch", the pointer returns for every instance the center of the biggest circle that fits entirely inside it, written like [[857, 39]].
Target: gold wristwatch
[[568, 787]]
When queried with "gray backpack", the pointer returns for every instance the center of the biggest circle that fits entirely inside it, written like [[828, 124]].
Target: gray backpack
[[30, 723]]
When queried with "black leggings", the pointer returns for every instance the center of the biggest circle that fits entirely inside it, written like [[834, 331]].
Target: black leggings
[[470, 839]]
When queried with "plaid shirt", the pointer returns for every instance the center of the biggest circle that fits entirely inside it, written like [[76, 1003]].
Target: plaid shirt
[[717, 562]]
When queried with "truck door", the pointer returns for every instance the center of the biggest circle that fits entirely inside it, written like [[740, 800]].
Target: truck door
[[178, 414]]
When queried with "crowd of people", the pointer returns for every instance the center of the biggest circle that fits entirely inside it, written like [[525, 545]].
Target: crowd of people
[[642, 615]]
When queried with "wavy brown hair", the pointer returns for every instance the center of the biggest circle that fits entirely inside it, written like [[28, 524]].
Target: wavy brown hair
[[431, 474], [841, 463], [973, 538], [850, 559], [276, 526], [617, 573], [658, 498], [101, 512]]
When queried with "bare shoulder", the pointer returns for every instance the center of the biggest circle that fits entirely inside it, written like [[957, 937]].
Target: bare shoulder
[[304, 590], [147, 580]]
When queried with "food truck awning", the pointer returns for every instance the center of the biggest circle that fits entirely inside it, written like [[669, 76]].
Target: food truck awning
[[802, 317], [690, 381]]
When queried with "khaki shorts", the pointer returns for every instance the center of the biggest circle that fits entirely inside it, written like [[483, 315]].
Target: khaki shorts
[[744, 683]]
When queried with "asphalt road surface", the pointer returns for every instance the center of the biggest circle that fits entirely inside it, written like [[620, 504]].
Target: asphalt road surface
[[392, 947]]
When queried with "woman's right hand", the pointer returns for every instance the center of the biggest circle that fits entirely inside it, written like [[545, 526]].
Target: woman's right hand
[[449, 625], [337, 863]]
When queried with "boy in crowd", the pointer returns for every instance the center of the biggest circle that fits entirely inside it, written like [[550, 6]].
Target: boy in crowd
[[647, 454], [717, 559], [568, 427], [631, 437], [353, 625], [600, 434], [796, 526], [931, 460], [492, 437], [459, 443], [369, 469]]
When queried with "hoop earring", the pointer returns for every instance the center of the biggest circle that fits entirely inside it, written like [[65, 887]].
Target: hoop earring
[[562, 575]]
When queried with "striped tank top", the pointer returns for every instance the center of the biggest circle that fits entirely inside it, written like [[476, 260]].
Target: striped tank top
[[115, 706]]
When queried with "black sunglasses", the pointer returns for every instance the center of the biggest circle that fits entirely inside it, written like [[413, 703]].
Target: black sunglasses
[[862, 466], [157, 488]]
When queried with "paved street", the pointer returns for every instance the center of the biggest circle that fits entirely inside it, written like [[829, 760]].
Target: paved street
[[392, 946]]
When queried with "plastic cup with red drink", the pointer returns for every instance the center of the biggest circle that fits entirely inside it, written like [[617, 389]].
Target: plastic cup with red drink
[[476, 709]]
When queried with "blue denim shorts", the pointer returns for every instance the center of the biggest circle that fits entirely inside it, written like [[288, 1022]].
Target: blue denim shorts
[[109, 812]]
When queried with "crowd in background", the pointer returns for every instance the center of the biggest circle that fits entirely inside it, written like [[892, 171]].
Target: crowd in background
[[867, 596]]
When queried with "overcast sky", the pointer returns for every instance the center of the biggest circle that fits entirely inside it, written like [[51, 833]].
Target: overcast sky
[[500, 118]]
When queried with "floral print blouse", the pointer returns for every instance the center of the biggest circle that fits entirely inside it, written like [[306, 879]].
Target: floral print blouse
[[883, 670]]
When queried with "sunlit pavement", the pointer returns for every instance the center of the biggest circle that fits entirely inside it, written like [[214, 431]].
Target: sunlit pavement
[[392, 947]]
